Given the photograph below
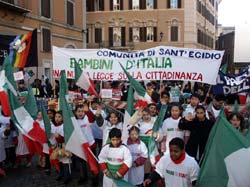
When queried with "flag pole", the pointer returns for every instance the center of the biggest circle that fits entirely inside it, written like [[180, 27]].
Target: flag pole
[[161, 84], [93, 155]]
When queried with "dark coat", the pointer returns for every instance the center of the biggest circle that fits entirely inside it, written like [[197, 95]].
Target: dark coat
[[199, 132]]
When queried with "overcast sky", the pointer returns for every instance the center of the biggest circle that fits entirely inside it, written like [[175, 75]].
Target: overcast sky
[[234, 12]]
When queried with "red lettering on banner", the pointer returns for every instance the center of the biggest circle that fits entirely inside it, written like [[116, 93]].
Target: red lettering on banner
[[122, 76], [103, 76], [200, 77], [56, 73], [70, 74], [139, 76]]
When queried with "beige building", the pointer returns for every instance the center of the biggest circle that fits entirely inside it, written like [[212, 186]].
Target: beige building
[[140, 24], [58, 22]]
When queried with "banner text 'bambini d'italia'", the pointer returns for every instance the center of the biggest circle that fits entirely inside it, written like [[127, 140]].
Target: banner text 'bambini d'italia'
[[159, 63]]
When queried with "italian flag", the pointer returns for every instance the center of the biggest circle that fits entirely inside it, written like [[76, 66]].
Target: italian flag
[[30, 104], [47, 127], [83, 80], [8, 72], [23, 120], [152, 147], [143, 98], [226, 157], [128, 113], [3, 96], [6, 81], [74, 140]]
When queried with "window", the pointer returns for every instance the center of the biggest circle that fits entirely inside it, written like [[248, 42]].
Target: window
[[98, 35], [143, 32], [47, 72], [136, 34], [46, 40], [90, 6], [150, 34], [174, 4], [150, 4], [100, 4], [199, 6], [70, 13], [87, 35], [117, 37], [174, 33], [205, 39], [95, 5], [136, 5], [45, 8], [116, 4]]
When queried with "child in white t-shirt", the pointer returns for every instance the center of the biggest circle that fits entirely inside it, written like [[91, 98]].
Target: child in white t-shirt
[[139, 153], [177, 167], [115, 159], [170, 128]]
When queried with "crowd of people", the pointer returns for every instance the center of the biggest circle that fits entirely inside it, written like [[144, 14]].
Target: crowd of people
[[181, 140]]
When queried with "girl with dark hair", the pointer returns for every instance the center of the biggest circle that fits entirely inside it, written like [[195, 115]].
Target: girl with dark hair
[[115, 159], [112, 121], [139, 153], [199, 128], [170, 128], [237, 120], [60, 153], [85, 126]]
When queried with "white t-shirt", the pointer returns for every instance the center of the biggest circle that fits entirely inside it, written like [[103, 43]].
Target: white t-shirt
[[170, 130], [85, 126], [181, 175], [114, 156], [216, 112], [146, 128], [106, 127], [136, 174], [58, 130]]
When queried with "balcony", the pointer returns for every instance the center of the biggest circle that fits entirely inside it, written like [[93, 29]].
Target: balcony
[[19, 6], [106, 44]]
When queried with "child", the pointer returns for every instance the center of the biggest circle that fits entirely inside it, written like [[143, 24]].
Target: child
[[146, 124], [237, 120], [10, 143], [4, 132], [51, 115], [139, 153], [22, 152], [41, 159], [63, 155], [115, 159], [177, 168], [199, 128], [170, 128], [112, 121], [84, 124], [97, 131]]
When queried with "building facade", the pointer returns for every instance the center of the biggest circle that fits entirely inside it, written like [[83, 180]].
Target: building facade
[[139, 24], [60, 23], [226, 42]]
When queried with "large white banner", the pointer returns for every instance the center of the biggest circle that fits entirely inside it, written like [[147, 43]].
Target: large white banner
[[159, 63]]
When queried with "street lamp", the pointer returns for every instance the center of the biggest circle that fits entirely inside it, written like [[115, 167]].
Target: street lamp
[[161, 35]]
